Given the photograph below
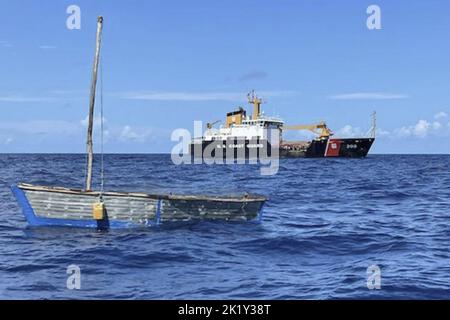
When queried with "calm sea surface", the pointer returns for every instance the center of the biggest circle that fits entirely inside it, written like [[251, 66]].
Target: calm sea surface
[[326, 222]]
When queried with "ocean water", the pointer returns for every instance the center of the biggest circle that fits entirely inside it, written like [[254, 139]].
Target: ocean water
[[326, 222]]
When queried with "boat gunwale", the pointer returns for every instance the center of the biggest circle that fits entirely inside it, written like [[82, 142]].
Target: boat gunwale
[[242, 199]]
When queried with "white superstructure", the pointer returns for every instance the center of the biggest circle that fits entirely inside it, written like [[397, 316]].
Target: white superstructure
[[239, 126], [248, 129]]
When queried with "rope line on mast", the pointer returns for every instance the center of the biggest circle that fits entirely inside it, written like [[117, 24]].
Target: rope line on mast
[[86, 160], [102, 167]]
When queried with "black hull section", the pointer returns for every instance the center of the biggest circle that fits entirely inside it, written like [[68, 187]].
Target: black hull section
[[329, 148], [249, 149], [360, 147]]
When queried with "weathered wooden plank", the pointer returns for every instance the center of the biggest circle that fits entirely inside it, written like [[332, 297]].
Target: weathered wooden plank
[[66, 206], [242, 199], [137, 209]]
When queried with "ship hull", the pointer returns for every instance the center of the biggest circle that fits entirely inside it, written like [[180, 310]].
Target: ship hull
[[233, 149], [318, 148], [328, 148]]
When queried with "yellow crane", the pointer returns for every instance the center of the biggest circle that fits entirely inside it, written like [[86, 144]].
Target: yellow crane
[[211, 125], [320, 129]]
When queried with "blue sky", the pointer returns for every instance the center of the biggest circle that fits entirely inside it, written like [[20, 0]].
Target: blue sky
[[168, 63]]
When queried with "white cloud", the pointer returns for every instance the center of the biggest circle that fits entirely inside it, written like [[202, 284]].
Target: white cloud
[[107, 134], [47, 47], [199, 96], [5, 44], [440, 115], [8, 141], [403, 132], [437, 125], [368, 96], [64, 95], [41, 127], [22, 98], [421, 128], [49, 96], [383, 133], [129, 134], [51, 130], [349, 131], [97, 121]]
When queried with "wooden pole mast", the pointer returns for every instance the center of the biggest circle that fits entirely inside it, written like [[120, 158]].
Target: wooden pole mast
[[90, 154]]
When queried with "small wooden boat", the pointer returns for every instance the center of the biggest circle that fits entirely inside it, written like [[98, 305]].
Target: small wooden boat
[[57, 206], [54, 206]]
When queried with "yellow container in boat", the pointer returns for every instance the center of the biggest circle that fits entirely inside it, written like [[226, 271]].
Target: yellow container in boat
[[98, 210]]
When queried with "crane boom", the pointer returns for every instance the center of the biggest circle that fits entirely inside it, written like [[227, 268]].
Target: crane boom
[[320, 129], [210, 125]]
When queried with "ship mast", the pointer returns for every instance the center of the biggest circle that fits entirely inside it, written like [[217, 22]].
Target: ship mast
[[253, 99], [374, 125], [90, 155]]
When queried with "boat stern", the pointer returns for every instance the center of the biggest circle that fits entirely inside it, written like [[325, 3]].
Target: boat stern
[[24, 204], [35, 220]]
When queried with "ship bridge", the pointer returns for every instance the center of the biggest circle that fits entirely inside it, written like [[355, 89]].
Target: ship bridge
[[241, 126], [247, 129], [264, 121]]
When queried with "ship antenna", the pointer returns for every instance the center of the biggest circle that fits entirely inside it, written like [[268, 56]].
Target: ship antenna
[[374, 124], [373, 129]]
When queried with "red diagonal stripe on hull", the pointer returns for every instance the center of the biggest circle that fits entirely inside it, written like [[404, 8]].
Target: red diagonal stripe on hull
[[333, 148]]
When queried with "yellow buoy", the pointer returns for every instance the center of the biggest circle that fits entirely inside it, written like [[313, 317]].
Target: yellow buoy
[[98, 210]]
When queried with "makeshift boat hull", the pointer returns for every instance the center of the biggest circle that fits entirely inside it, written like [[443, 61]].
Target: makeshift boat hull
[[52, 206]]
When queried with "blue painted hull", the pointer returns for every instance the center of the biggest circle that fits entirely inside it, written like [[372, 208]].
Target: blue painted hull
[[36, 221], [47, 206]]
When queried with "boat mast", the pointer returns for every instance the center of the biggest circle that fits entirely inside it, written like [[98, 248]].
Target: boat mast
[[90, 155]]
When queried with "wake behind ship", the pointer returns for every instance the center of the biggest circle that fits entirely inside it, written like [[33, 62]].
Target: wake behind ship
[[259, 136]]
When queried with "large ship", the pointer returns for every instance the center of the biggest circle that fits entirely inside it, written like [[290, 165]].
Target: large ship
[[259, 135]]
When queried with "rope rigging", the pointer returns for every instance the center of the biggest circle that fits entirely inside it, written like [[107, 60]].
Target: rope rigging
[[102, 167]]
